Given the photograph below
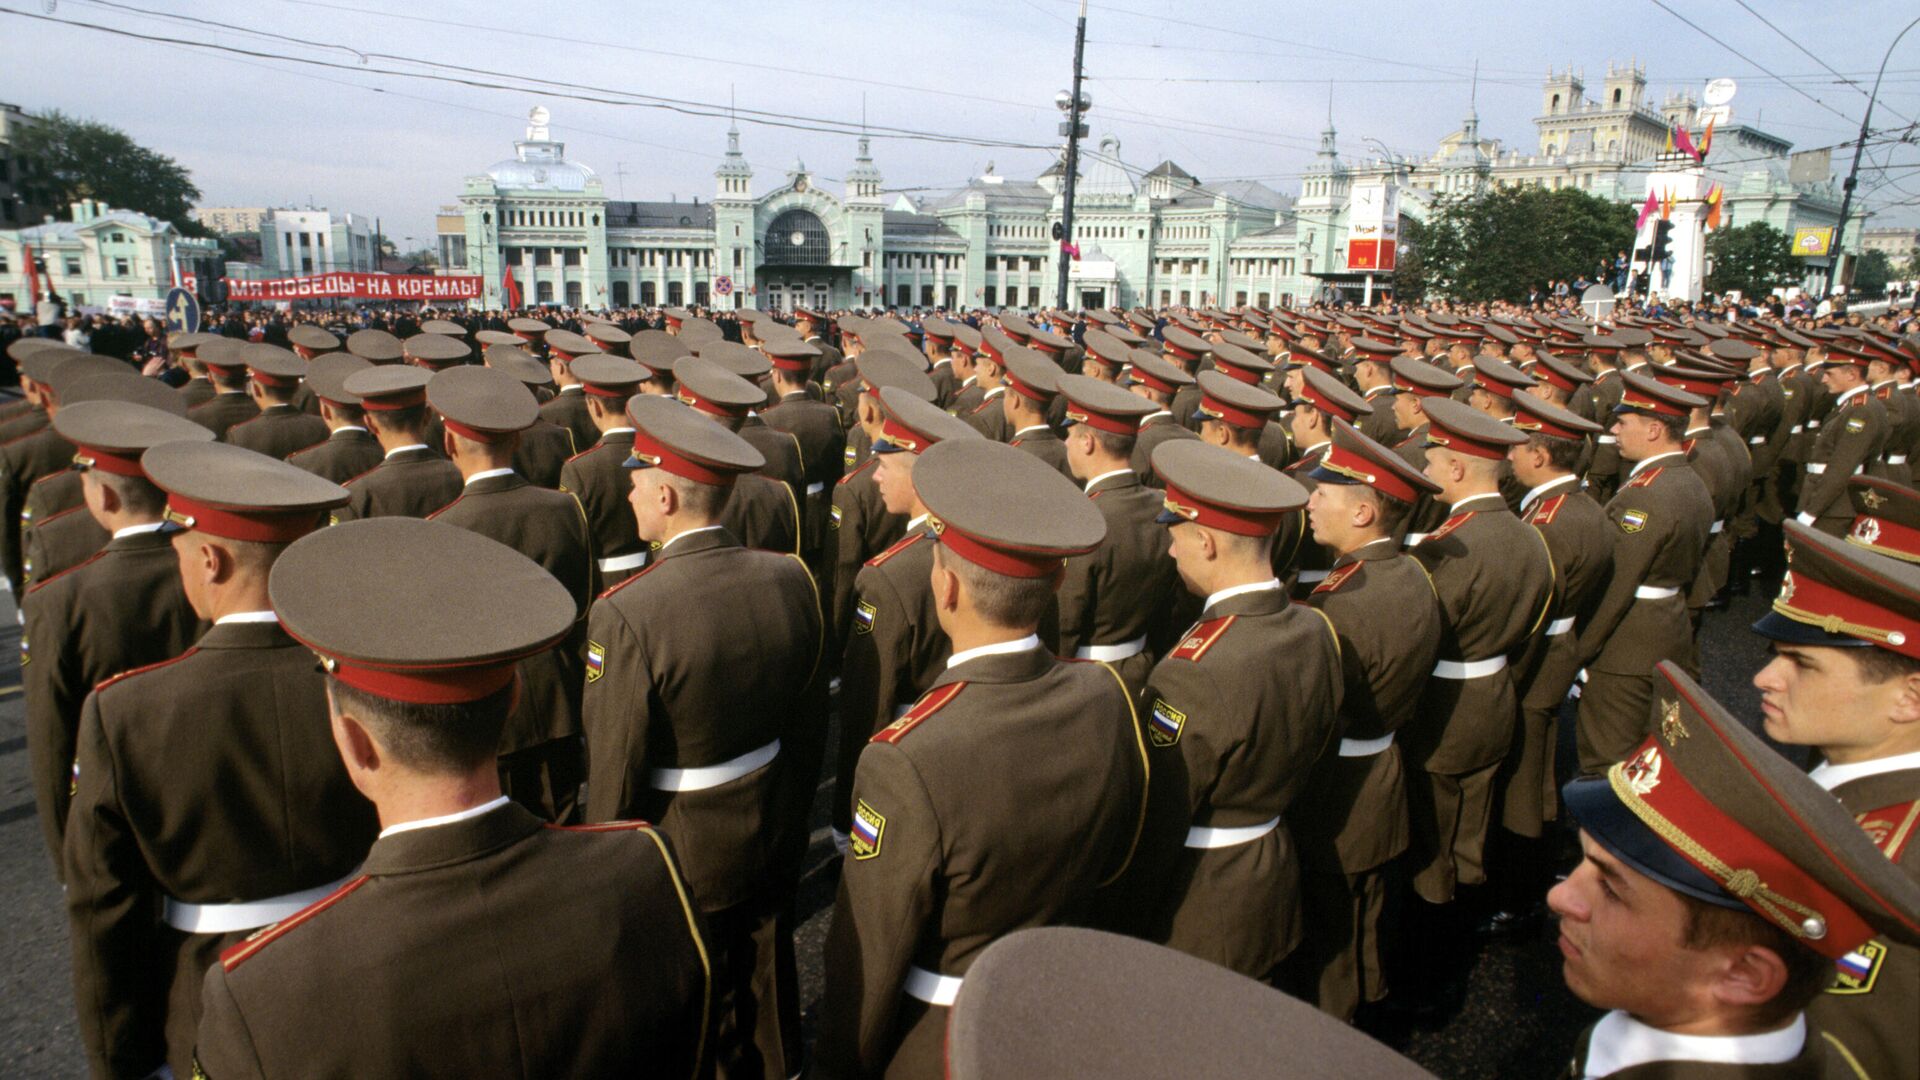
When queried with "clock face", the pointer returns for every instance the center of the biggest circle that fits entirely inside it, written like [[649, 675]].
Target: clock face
[[797, 239]]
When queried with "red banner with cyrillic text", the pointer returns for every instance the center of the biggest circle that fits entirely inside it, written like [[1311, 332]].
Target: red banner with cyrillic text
[[358, 286]]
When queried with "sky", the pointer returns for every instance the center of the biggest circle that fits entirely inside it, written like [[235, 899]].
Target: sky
[[640, 91]]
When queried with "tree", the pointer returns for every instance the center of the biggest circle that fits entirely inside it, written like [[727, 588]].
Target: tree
[[1755, 259], [64, 159], [1871, 272], [1498, 243]]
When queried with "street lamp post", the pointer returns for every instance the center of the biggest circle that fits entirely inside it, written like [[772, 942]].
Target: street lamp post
[[1074, 104], [1853, 174]]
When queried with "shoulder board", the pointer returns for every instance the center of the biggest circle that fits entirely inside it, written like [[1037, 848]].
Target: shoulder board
[[1543, 513], [1890, 827], [51, 518], [49, 476], [235, 955], [904, 544], [605, 826], [983, 405], [1337, 578], [1646, 478], [143, 669], [652, 565], [588, 450], [1450, 524], [38, 585], [931, 702], [1201, 638], [310, 449], [864, 466], [351, 480], [1016, 442]]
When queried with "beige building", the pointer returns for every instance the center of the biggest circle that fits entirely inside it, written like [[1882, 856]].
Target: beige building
[[227, 220], [1900, 244]]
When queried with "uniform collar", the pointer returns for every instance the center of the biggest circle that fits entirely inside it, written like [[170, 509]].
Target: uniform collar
[[345, 428], [139, 530], [681, 538], [246, 617], [1096, 481], [1620, 1042], [1541, 491], [1642, 466], [1842, 399], [1025, 431], [444, 819], [403, 449], [1456, 507], [998, 648], [1830, 776], [1238, 590], [917, 522], [486, 474]]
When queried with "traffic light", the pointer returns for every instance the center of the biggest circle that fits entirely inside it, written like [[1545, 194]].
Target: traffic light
[[1662, 233]]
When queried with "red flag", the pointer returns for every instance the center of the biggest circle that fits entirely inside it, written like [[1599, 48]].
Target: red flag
[[33, 275], [510, 288], [1652, 204], [1685, 142]]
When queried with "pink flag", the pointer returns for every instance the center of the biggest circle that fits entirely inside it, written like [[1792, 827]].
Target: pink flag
[[1685, 142], [1072, 251], [1646, 211]]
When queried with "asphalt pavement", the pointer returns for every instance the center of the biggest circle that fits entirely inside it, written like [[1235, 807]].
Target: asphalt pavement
[[1515, 1019]]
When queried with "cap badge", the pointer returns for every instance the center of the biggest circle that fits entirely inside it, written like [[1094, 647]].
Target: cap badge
[[1872, 498], [1786, 587], [1671, 729], [1867, 530], [1642, 774]]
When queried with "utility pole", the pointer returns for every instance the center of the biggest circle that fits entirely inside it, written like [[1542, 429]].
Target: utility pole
[[1853, 174], [1075, 105]]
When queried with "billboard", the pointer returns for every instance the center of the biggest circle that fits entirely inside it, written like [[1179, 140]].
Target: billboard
[[1373, 227], [1811, 242]]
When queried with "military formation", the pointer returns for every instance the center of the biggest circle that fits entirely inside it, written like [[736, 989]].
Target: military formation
[[458, 704]]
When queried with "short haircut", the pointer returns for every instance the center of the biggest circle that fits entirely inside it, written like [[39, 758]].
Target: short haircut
[[228, 378], [254, 556], [137, 494], [410, 420], [1809, 974], [350, 414], [1388, 511], [1878, 665], [277, 394], [1562, 454], [1001, 599], [1112, 443], [1239, 545], [1676, 426], [698, 499], [446, 740]]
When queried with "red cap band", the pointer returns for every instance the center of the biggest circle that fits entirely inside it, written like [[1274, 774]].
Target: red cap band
[[273, 380], [426, 686], [476, 434], [711, 408], [1146, 378], [792, 363], [394, 402], [1886, 536], [259, 527], [1634, 399], [1805, 600], [1351, 465], [1214, 409], [656, 453], [1438, 435], [109, 461], [608, 391], [1013, 562], [1237, 373], [1099, 421], [1027, 390], [892, 430], [1324, 404], [1184, 354], [1225, 518]]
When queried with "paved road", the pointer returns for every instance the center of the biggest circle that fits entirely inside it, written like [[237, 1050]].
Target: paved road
[[1517, 1019]]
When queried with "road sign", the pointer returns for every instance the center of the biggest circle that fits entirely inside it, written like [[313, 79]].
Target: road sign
[[722, 285], [1597, 302], [183, 312]]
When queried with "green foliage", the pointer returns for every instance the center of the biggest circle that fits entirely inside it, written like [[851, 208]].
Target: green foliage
[[1497, 244], [64, 159], [1871, 272], [1757, 259]]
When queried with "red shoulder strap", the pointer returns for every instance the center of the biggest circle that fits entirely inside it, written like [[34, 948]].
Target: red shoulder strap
[[931, 702], [1201, 638]]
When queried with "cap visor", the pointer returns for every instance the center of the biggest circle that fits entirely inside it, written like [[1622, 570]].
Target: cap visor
[[1591, 801], [1168, 517], [1778, 627]]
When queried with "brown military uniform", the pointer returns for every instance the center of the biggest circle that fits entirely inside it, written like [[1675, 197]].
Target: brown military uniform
[[408, 482], [22, 462], [598, 478], [1379, 425], [989, 417], [763, 515], [346, 453], [1155, 429], [1662, 517], [1350, 819], [1816, 1060], [1044, 443], [198, 390], [222, 411], [1009, 752], [568, 409], [543, 452], [815, 425], [1576, 530], [503, 949], [540, 749], [61, 543], [1494, 577], [1851, 437], [205, 780], [278, 431], [123, 609], [1115, 601], [861, 528], [1603, 473], [696, 713]]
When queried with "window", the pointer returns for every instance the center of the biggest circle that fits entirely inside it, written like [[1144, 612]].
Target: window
[[926, 296], [676, 293], [543, 292], [572, 256], [1033, 296], [866, 259], [621, 294], [738, 257], [904, 294], [120, 268], [700, 293], [543, 256], [3, 265], [992, 296], [647, 298], [119, 238], [73, 267]]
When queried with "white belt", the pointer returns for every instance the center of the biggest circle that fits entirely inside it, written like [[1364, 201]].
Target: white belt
[[1559, 626], [1811, 424], [1364, 747], [247, 915], [1606, 440], [623, 562], [1758, 440], [708, 776], [1718, 526], [1413, 539], [1655, 592], [1815, 468], [1308, 577], [1461, 670], [1896, 459], [1112, 654], [1203, 836], [816, 488], [931, 988], [1797, 429]]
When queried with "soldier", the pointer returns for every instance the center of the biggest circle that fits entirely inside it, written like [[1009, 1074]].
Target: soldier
[[1160, 383], [568, 409], [186, 348], [1384, 611], [1606, 355], [859, 524], [349, 449], [208, 800], [1189, 352], [808, 323], [413, 478], [1661, 516], [1851, 692], [1494, 577], [763, 512], [989, 417], [895, 647], [1033, 382], [1852, 435], [938, 334], [1322, 401], [40, 452], [484, 411], [1240, 711], [1373, 374], [1719, 889], [231, 402], [122, 609], [278, 429], [1903, 413], [695, 711], [1014, 760], [815, 427], [1235, 415], [1720, 458], [1106, 356], [597, 476], [462, 888]]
